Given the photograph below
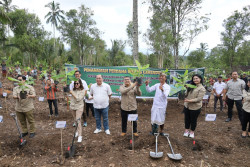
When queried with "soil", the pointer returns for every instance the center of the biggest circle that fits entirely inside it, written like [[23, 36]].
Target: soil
[[216, 143]]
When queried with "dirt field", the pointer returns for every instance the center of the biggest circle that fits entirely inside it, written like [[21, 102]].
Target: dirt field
[[218, 143]]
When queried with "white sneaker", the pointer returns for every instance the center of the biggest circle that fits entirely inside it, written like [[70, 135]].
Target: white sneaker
[[79, 139], [76, 135], [186, 133], [107, 132], [191, 135], [97, 131]]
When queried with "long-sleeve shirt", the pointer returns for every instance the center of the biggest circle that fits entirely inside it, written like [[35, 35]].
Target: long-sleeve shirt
[[160, 99], [51, 92], [246, 104], [128, 97], [77, 103], [196, 95]]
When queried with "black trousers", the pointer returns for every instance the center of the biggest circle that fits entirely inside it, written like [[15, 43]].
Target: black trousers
[[90, 106], [55, 105], [215, 102], [245, 120], [230, 104], [191, 117], [124, 115]]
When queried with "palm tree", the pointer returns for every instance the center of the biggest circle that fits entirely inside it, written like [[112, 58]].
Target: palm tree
[[7, 8], [135, 30], [54, 16]]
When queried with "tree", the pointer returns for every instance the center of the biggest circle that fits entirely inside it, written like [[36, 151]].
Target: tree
[[135, 30], [182, 18], [78, 29], [54, 16], [116, 48], [196, 58], [237, 29]]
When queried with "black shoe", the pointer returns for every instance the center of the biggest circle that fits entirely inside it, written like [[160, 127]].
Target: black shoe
[[24, 134], [32, 135], [161, 134], [228, 120], [151, 134], [243, 136]]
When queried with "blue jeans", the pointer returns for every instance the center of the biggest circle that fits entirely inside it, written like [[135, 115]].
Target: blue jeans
[[104, 113]]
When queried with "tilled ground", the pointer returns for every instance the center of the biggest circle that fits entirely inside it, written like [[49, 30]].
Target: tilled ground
[[218, 143]]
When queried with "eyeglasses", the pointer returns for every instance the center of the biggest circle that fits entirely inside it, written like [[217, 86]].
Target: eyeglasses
[[19, 79], [76, 83]]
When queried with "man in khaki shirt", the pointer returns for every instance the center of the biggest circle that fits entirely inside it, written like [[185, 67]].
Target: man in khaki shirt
[[129, 91], [234, 91], [25, 107]]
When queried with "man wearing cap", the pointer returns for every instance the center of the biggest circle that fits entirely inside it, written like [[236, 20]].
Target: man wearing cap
[[234, 90], [158, 110], [25, 107], [218, 93]]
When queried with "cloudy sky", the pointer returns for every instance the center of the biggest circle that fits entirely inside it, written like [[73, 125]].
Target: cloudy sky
[[112, 17]]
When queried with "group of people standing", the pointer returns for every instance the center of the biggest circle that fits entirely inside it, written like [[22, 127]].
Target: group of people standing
[[97, 97]]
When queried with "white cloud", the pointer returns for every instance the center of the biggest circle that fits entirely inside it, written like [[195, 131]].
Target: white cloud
[[112, 17]]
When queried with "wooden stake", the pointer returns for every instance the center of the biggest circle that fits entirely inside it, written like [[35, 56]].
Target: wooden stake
[[61, 144], [6, 105], [133, 137]]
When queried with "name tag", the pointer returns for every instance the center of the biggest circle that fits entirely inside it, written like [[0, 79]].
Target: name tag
[[41, 99], [1, 118], [210, 117], [4, 94], [132, 117], [60, 124]]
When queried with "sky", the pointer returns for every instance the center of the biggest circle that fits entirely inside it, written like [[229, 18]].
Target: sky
[[112, 17]]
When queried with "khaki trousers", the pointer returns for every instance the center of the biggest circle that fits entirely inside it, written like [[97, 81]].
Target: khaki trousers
[[78, 114], [25, 117]]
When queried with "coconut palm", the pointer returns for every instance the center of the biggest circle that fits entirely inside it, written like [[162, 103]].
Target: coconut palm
[[54, 16]]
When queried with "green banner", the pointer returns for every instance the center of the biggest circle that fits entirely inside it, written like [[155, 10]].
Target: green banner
[[114, 76]]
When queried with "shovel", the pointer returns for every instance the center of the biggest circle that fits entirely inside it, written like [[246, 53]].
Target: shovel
[[71, 149], [156, 154], [173, 156], [23, 141]]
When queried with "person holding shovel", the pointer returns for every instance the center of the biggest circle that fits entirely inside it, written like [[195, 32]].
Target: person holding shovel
[[193, 104], [77, 105], [129, 91], [24, 106], [246, 112], [158, 110], [51, 89]]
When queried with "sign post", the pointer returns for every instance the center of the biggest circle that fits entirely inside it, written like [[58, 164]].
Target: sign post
[[5, 95], [61, 125], [132, 118]]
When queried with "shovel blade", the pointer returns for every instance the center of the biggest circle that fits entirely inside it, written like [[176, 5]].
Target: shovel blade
[[71, 152], [175, 156], [156, 155], [23, 142]]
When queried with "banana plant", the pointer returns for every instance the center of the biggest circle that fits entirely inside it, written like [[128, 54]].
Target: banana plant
[[21, 84], [30, 81], [181, 84], [68, 77]]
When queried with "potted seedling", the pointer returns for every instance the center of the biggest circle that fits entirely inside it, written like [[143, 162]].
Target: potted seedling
[[56, 77], [68, 77], [23, 93], [181, 85], [138, 73]]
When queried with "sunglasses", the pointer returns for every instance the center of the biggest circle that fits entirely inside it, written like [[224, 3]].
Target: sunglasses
[[76, 83]]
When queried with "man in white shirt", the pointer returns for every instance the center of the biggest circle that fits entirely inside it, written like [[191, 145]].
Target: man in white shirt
[[85, 87], [158, 110], [101, 93], [218, 93]]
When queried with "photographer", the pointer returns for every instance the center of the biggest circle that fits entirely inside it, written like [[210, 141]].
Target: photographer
[[51, 89]]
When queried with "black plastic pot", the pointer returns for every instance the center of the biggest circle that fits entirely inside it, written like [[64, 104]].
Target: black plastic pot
[[56, 82], [138, 80], [23, 94], [66, 88], [181, 95]]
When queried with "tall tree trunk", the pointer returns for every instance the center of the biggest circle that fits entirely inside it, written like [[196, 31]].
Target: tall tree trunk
[[135, 30], [54, 32]]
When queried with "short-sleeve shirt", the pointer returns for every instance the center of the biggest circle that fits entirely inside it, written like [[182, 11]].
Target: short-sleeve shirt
[[219, 87], [235, 89], [24, 105], [100, 95], [4, 67]]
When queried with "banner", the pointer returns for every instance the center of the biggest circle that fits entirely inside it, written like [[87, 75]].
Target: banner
[[114, 76]]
